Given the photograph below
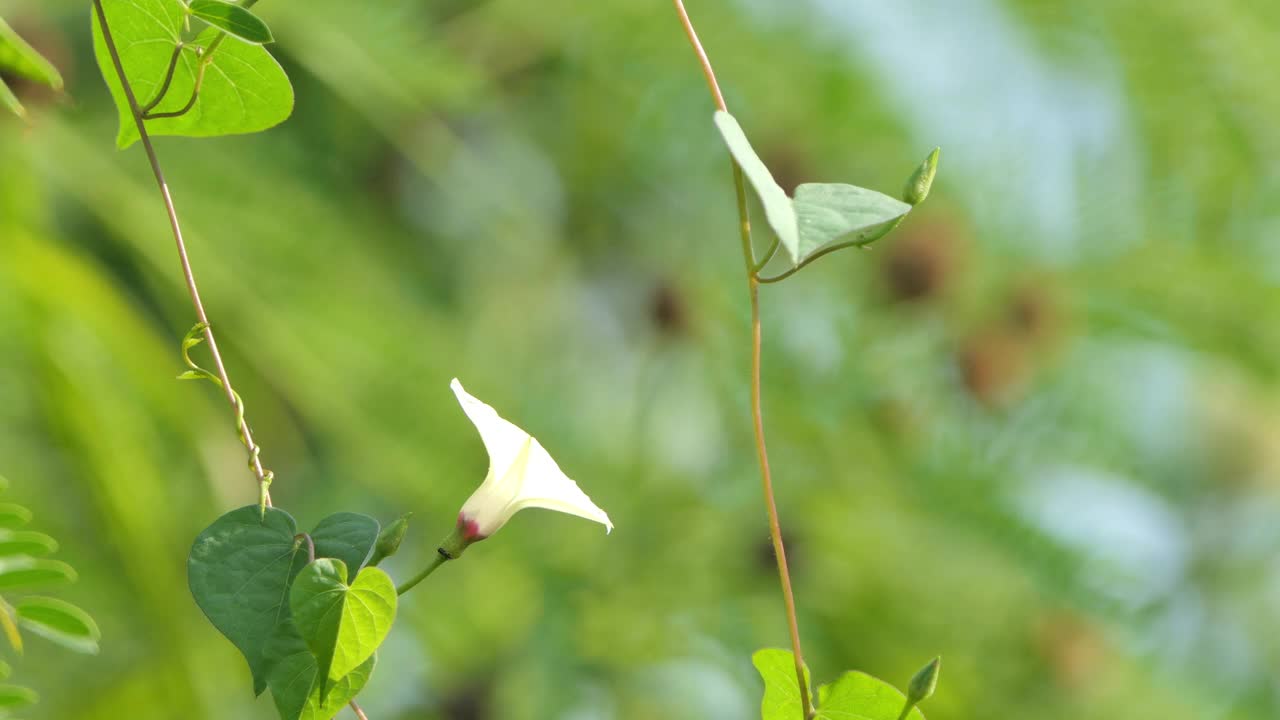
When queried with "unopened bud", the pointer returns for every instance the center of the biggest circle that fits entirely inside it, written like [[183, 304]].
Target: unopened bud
[[924, 682], [921, 180], [389, 539]]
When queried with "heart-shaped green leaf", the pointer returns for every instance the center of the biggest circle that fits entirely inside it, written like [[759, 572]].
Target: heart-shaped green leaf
[[821, 213], [233, 19], [781, 691], [342, 624], [24, 573], [855, 696], [18, 542], [348, 537], [243, 89], [826, 212], [13, 516], [293, 679], [858, 695], [239, 572], [60, 622]]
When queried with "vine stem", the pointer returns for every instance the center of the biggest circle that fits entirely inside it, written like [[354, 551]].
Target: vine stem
[[359, 713], [264, 497], [753, 287]]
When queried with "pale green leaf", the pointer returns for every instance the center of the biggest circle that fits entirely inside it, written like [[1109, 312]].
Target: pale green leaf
[[25, 573], [777, 206], [13, 516], [60, 622], [827, 212], [20, 542]]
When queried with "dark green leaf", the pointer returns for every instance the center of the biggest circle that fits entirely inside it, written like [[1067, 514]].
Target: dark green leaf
[[16, 696], [858, 695], [293, 674], [827, 212], [348, 537], [244, 89], [781, 691], [19, 542], [239, 572], [13, 516], [235, 20], [60, 622], [19, 58], [24, 573], [342, 624]]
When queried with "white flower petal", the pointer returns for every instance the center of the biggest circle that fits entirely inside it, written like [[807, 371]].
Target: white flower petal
[[546, 486], [521, 475], [502, 439]]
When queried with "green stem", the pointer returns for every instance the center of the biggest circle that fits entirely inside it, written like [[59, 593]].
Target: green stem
[[753, 287], [768, 255], [206, 57], [409, 584], [264, 495]]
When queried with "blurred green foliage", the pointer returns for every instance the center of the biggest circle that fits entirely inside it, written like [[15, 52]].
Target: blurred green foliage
[[1034, 432]]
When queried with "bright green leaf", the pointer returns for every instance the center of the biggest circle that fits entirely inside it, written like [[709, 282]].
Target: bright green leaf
[[342, 624], [781, 691], [293, 674], [15, 696], [60, 622], [13, 516], [239, 572], [777, 206], [348, 537], [23, 573], [19, 58], [18, 542], [859, 696], [235, 20], [244, 89], [827, 212]]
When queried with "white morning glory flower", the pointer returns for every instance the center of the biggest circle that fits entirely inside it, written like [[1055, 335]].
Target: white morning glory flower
[[521, 475]]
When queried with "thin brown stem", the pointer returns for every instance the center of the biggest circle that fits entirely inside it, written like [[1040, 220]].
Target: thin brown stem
[[246, 436], [359, 713], [753, 287]]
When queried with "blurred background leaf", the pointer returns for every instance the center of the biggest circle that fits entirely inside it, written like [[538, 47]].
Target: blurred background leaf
[[1035, 431]]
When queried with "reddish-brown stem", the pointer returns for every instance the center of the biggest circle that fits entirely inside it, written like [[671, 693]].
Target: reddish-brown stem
[[359, 713], [753, 286], [254, 462]]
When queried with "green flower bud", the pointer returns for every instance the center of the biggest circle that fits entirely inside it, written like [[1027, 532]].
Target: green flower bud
[[921, 180], [925, 681], [389, 539]]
